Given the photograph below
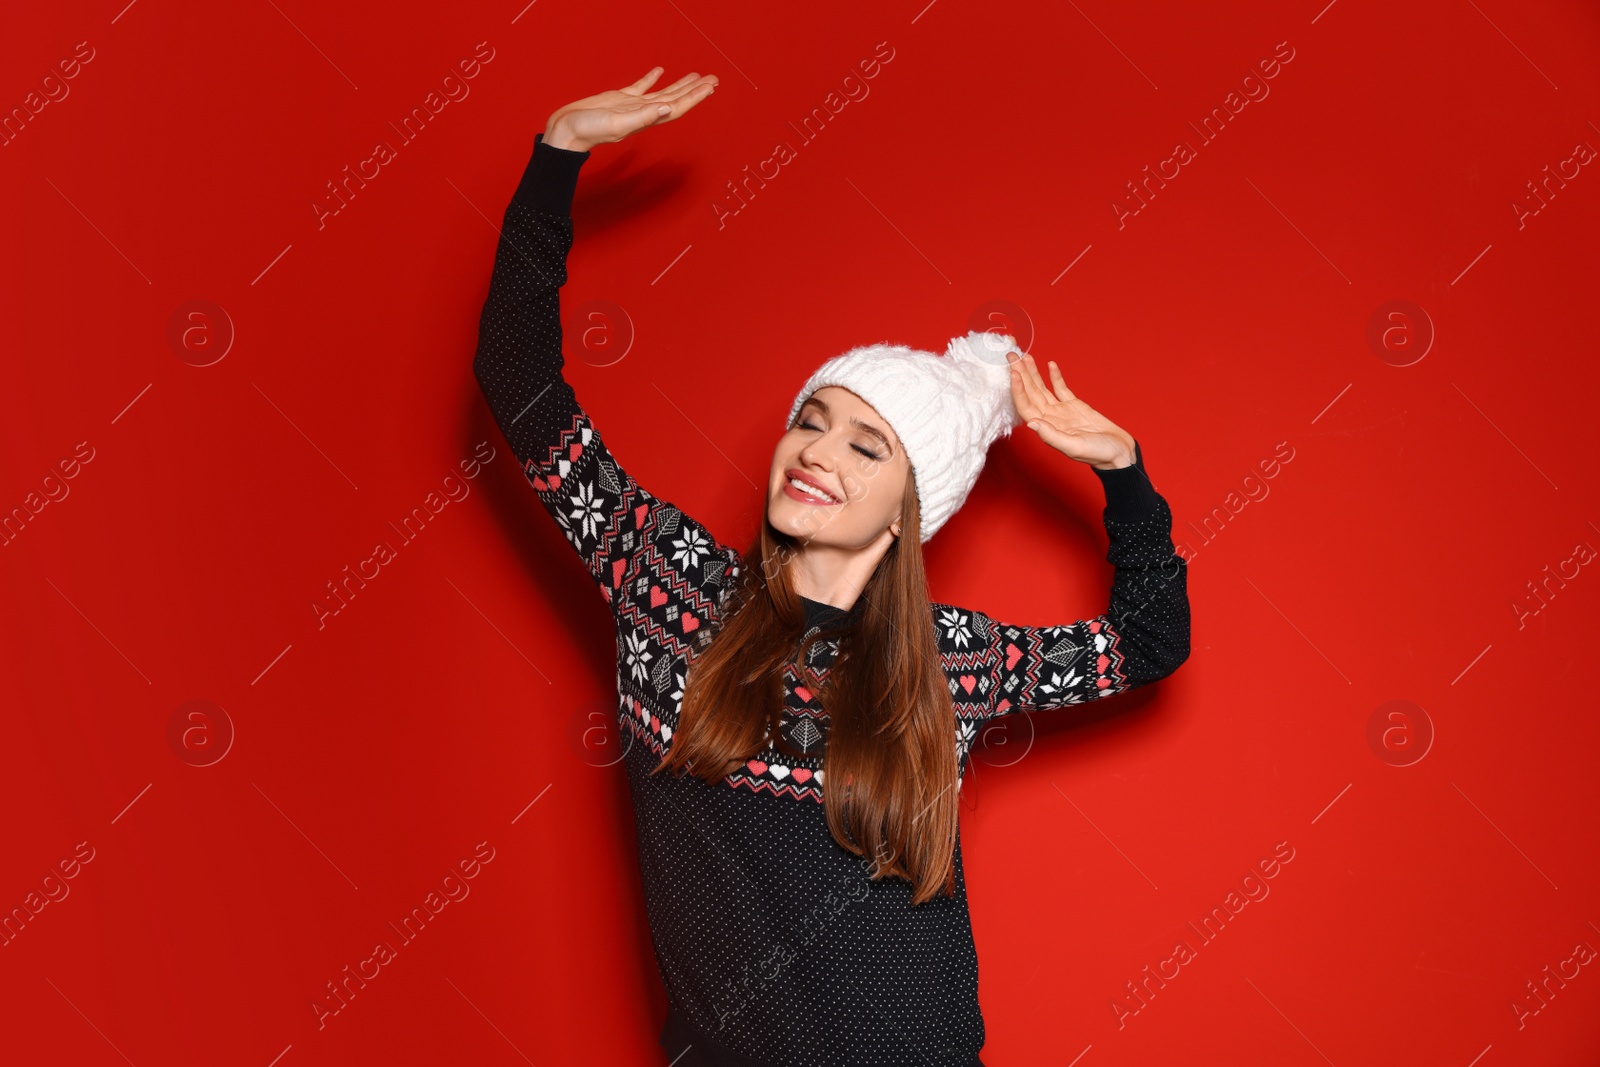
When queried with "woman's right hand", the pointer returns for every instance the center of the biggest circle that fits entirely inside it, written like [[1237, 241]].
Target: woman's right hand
[[614, 114]]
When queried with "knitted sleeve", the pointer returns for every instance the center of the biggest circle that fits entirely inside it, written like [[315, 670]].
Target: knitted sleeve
[[1143, 635], [604, 514]]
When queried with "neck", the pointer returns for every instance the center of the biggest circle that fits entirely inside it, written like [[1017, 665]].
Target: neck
[[834, 576]]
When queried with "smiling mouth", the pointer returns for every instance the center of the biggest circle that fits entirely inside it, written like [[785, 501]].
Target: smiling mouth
[[806, 493]]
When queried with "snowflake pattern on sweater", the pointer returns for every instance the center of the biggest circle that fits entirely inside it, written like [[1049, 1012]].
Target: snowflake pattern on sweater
[[725, 873]]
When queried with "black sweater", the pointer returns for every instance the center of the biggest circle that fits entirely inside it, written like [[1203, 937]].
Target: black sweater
[[772, 943]]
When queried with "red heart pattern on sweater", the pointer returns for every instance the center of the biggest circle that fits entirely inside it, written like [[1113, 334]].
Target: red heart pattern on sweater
[[967, 682], [780, 772], [1013, 653], [657, 597]]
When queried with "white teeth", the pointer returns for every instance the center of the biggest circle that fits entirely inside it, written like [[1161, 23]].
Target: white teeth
[[810, 490]]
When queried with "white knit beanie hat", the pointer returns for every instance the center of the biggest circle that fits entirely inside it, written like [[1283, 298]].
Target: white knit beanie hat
[[946, 411]]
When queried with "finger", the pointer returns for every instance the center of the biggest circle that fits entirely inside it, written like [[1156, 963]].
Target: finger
[[704, 88], [674, 87], [679, 105], [1022, 389], [1035, 384], [1060, 440], [644, 83], [1019, 392], [1037, 380], [638, 118], [1060, 383]]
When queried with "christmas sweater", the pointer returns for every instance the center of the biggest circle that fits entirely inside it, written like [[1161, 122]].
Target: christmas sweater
[[774, 946]]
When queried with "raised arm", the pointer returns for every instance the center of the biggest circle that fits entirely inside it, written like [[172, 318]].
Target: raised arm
[[606, 516], [1142, 636], [519, 363], [1144, 633]]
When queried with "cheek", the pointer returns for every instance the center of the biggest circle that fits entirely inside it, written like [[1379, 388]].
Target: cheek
[[861, 480], [875, 485], [783, 457]]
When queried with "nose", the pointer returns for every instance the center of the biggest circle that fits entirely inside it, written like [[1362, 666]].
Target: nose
[[810, 455]]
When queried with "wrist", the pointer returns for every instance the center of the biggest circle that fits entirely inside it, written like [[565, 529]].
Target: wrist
[[558, 134], [1130, 496], [1126, 459]]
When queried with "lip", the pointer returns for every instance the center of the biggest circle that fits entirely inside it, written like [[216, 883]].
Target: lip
[[795, 494]]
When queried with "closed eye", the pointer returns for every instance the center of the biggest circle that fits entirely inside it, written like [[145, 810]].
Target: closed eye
[[864, 451]]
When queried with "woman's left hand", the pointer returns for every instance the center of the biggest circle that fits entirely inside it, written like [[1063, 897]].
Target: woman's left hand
[[1064, 422]]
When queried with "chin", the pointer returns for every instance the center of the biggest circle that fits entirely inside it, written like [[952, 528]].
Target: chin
[[792, 523], [787, 524]]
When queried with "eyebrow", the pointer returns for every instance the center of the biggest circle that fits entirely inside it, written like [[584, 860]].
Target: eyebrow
[[867, 426]]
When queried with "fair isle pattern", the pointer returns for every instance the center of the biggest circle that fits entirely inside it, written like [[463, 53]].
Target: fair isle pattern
[[654, 565], [734, 869], [1059, 664], [663, 573]]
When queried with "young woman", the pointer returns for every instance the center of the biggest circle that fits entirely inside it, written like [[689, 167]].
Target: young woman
[[803, 913]]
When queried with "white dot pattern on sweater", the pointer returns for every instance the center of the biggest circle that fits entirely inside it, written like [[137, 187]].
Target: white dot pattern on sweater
[[773, 945]]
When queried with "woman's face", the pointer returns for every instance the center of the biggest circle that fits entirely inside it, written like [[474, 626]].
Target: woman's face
[[843, 446]]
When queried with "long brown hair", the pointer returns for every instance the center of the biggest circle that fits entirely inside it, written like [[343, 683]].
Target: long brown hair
[[890, 786]]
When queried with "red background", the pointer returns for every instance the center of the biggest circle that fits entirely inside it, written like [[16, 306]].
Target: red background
[[1223, 324]]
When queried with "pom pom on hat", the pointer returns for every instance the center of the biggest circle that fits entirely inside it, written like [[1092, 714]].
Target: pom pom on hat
[[947, 410]]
